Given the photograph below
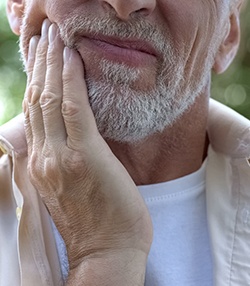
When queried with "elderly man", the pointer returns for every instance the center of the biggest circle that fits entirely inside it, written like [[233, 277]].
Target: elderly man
[[122, 171]]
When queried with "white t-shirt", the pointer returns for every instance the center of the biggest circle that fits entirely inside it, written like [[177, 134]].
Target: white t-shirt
[[180, 253]]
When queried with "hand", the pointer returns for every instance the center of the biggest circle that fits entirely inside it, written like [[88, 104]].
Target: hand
[[89, 194]]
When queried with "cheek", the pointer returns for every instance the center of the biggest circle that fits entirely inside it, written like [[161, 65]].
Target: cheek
[[34, 14], [193, 28], [59, 10], [190, 23]]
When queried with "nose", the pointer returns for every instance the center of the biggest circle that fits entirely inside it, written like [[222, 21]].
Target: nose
[[125, 8]]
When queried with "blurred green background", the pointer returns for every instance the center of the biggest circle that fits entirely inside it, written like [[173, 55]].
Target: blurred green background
[[231, 88]]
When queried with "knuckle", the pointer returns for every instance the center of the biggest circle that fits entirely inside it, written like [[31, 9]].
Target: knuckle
[[73, 162], [47, 97], [70, 109], [34, 92], [43, 170]]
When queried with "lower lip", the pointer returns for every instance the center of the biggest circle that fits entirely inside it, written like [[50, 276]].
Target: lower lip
[[111, 52]]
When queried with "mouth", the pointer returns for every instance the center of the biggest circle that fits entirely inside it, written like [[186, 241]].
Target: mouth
[[129, 51]]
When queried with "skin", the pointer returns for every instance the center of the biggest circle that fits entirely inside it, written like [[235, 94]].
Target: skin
[[80, 176], [83, 195]]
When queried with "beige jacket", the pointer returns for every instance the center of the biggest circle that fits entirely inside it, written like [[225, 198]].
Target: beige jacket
[[28, 255]]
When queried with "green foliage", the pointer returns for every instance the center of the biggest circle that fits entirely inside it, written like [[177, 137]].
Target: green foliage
[[12, 78], [231, 88]]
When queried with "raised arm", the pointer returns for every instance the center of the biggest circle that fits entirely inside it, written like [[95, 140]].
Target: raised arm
[[89, 194]]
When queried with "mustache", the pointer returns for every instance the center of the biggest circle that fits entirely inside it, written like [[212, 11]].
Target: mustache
[[76, 26]]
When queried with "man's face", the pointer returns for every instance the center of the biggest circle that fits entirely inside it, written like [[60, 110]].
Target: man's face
[[142, 72]]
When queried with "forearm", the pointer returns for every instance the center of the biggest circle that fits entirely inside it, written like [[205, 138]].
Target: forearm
[[124, 269]]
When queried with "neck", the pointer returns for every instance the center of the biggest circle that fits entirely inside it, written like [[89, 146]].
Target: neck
[[176, 152]]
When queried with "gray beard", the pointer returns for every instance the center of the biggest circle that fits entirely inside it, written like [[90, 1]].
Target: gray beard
[[124, 114]]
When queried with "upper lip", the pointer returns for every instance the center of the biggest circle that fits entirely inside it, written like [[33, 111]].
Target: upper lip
[[130, 43]]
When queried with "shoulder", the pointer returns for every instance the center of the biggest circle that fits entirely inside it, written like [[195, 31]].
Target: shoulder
[[228, 131]]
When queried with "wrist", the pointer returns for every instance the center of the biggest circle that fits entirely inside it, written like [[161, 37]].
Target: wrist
[[125, 267]]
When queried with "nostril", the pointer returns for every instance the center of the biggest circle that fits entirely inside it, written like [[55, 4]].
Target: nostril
[[125, 9], [143, 12], [107, 6]]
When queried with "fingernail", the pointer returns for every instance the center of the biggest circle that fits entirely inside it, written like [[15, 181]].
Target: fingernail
[[32, 46], [67, 53], [45, 27], [52, 33]]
